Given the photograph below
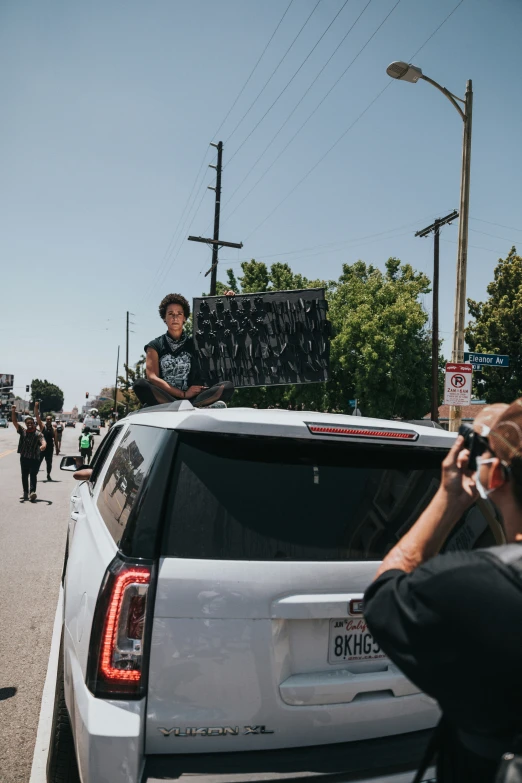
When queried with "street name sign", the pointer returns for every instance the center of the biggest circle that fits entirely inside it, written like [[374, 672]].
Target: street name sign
[[457, 384], [481, 360]]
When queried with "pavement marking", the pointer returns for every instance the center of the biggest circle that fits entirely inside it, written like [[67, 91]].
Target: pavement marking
[[5, 453], [43, 735]]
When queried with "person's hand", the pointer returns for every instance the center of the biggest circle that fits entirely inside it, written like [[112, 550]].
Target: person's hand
[[193, 391], [229, 293], [457, 480]]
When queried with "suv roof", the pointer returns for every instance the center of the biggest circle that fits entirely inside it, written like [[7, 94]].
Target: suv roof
[[290, 424]]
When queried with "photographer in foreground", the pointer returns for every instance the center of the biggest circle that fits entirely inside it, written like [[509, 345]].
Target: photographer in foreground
[[453, 622]]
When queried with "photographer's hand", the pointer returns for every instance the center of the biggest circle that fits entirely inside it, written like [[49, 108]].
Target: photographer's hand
[[455, 495]]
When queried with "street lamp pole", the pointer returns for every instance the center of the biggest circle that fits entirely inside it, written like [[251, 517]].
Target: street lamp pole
[[411, 73]]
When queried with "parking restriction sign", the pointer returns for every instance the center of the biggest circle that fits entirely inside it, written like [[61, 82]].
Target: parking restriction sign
[[457, 384]]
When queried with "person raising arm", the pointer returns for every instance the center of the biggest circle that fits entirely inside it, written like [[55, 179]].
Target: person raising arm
[[30, 446]]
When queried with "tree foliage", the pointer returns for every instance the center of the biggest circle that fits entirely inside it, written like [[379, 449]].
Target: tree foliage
[[51, 396], [497, 328], [131, 402], [381, 349]]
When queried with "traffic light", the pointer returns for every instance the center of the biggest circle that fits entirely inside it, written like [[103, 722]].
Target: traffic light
[[26, 389], [86, 395]]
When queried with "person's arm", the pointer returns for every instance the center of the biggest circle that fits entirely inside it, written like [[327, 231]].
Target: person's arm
[[83, 474], [43, 442], [455, 495], [37, 414], [152, 372], [14, 419]]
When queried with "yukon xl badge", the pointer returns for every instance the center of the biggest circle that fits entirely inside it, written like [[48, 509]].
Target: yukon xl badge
[[213, 731]]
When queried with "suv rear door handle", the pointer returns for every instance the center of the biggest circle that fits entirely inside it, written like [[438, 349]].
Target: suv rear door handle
[[314, 606], [340, 685], [75, 515]]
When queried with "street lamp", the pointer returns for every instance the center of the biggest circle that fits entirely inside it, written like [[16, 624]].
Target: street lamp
[[411, 73]]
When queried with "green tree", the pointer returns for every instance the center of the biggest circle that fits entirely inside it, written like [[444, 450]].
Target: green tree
[[134, 373], [51, 396], [497, 328], [381, 349]]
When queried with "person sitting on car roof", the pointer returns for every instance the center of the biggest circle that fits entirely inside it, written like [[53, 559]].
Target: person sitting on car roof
[[453, 622], [172, 365]]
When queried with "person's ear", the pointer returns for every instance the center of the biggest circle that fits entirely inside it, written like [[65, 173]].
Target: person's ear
[[497, 476]]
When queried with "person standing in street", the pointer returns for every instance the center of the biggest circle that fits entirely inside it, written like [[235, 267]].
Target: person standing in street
[[86, 444], [453, 622], [30, 446], [59, 433], [51, 441]]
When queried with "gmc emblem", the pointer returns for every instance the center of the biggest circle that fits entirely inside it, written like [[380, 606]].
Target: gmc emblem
[[355, 607]]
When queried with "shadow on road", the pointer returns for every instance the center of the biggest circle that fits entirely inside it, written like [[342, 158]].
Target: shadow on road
[[7, 693]]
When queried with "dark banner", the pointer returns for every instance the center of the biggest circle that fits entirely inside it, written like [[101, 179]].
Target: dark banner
[[263, 339]]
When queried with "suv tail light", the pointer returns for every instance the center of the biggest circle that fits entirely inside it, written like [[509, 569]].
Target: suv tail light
[[116, 649]]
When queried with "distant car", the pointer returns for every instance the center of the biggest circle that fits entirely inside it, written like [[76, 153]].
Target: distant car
[[70, 424], [93, 423], [4, 423]]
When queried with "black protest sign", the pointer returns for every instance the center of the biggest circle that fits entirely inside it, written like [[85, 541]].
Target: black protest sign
[[263, 339]]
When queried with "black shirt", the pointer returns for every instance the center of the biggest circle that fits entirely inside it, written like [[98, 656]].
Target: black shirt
[[178, 361], [48, 433], [454, 627]]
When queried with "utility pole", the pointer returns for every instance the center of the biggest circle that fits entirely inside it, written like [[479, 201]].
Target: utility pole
[[127, 357], [215, 242], [116, 386], [462, 257], [435, 227], [217, 210]]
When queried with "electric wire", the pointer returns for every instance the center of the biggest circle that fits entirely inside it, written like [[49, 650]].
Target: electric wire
[[313, 112], [477, 247], [273, 72], [195, 190], [359, 117], [289, 82], [338, 242], [240, 93], [500, 225], [274, 137], [486, 234]]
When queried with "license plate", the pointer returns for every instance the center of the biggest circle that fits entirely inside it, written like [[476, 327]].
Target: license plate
[[350, 640]]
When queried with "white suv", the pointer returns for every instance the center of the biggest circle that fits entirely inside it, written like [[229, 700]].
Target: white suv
[[215, 568]]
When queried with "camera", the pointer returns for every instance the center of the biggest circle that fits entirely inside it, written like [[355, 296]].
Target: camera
[[476, 444]]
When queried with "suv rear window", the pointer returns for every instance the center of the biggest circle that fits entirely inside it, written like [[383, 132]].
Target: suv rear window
[[243, 498]]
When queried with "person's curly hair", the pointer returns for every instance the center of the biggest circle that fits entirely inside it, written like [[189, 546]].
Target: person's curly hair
[[173, 299]]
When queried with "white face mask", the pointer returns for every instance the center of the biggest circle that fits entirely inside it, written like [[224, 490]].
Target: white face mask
[[481, 489]]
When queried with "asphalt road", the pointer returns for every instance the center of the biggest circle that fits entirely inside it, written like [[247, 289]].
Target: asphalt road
[[32, 541]]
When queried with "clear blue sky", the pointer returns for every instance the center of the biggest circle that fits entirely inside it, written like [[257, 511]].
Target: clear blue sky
[[108, 109]]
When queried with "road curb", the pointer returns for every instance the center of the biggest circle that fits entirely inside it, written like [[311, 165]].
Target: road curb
[[43, 735]]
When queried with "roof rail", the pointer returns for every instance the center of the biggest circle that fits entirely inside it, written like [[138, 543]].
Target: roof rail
[[177, 405]]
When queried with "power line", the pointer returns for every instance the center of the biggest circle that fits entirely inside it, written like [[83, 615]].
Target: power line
[[357, 118], [338, 242], [436, 30], [240, 93], [289, 82], [478, 247], [274, 71], [195, 190], [486, 234], [295, 109], [500, 225], [317, 108]]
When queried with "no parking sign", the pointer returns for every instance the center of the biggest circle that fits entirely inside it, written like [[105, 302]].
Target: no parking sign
[[457, 384]]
